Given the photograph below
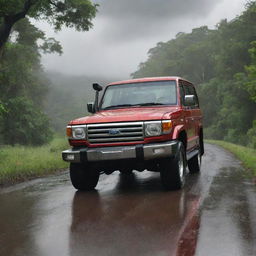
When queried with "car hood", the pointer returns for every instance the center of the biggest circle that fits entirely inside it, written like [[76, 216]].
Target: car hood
[[127, 115]]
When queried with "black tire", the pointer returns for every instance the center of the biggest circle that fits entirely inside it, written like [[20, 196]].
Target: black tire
[[194, 164], [173, 171], [83, 177]]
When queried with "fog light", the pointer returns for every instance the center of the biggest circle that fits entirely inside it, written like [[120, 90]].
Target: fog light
[[158, 151], [70, 157]]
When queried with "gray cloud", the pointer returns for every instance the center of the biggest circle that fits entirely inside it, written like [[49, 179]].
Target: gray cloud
[[129, 19], [124, 31], [154, 9]]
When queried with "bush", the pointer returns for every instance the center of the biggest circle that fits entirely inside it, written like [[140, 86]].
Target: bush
[[24, 123], [252, 136]]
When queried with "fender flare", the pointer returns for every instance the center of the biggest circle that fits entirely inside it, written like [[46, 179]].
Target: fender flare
[[177, 130]]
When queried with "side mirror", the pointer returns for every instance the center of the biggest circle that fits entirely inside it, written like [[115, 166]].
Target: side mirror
[[91, 107], [97, 87], [190, 100]]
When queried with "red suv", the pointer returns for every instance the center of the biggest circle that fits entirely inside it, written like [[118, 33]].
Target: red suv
[[152, 124]]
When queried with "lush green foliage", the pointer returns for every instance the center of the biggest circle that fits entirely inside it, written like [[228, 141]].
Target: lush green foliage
[[25, 123], [222, 63], [23, 87], [187, 55], [21, 163], [23, 83], [69, 13], [246, 155]]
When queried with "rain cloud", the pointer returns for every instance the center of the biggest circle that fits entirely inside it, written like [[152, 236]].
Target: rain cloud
[[133, 19], [124, 31]]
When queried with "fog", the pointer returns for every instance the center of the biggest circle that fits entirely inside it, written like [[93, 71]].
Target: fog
[[124, 31]]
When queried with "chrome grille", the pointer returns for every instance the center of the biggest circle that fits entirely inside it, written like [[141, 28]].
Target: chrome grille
[[115, 132]]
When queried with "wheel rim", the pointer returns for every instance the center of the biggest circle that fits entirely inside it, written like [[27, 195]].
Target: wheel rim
[[181, 166]]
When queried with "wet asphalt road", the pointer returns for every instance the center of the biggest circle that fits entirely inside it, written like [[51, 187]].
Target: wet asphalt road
[[132, 215]]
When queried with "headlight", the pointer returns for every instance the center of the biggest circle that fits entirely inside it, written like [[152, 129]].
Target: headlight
[[76, 132], [153, 128]]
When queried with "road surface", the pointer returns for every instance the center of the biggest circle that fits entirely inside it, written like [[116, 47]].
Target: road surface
[[131, 215]]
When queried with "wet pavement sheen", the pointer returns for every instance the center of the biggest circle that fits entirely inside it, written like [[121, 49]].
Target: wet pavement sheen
[[126, 215], [228, 215]]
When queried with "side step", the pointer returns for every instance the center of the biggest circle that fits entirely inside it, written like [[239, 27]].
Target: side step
[[192, 154]]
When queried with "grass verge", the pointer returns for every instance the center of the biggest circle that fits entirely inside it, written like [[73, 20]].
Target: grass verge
[[246, 155], [20, 163]]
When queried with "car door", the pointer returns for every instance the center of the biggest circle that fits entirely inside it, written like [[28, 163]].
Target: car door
[[187, 112], [195, 117], [196, 114]]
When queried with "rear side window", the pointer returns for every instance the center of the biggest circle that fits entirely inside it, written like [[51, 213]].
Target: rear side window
[[182, 94], [188, 89], [192, 90]]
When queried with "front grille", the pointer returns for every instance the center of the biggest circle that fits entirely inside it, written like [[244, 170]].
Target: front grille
[[115, 132]]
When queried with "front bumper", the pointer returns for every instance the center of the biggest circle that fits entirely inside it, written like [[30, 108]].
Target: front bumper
[[140, 152]]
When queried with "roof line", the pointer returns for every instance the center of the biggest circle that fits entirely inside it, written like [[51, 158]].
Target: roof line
[[148, 79]]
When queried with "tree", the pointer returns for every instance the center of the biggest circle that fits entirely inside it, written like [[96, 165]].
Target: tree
[[24, 86], [24, 123], [2, 110], [188, 55], [251, 73], [22, 73], [69, 13], [222, 64]]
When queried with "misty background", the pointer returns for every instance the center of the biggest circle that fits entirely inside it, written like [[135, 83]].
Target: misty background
[[123, 33]]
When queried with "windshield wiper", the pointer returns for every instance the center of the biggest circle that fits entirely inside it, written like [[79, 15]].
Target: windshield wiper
[[118, 106], [150, 104], [133, 105]]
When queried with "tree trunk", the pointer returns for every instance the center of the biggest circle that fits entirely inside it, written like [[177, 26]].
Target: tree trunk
[[5, 30], [9, 21]]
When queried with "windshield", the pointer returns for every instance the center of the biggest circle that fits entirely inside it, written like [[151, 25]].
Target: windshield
[[140, 94]]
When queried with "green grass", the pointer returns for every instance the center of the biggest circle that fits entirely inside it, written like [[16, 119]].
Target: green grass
[[21, 163], [246, 155]]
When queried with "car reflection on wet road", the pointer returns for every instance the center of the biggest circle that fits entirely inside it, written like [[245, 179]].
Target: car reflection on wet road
[[126, 215]]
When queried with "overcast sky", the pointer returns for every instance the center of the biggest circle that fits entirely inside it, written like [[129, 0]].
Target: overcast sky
[[124, 31]]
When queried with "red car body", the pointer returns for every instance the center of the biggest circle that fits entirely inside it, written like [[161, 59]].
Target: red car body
[[184, 118], [186, 121]]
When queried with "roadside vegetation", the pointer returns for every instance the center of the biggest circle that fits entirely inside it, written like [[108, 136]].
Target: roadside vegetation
[[24, 85], [22, 163], [246, 155], [29, 106]]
